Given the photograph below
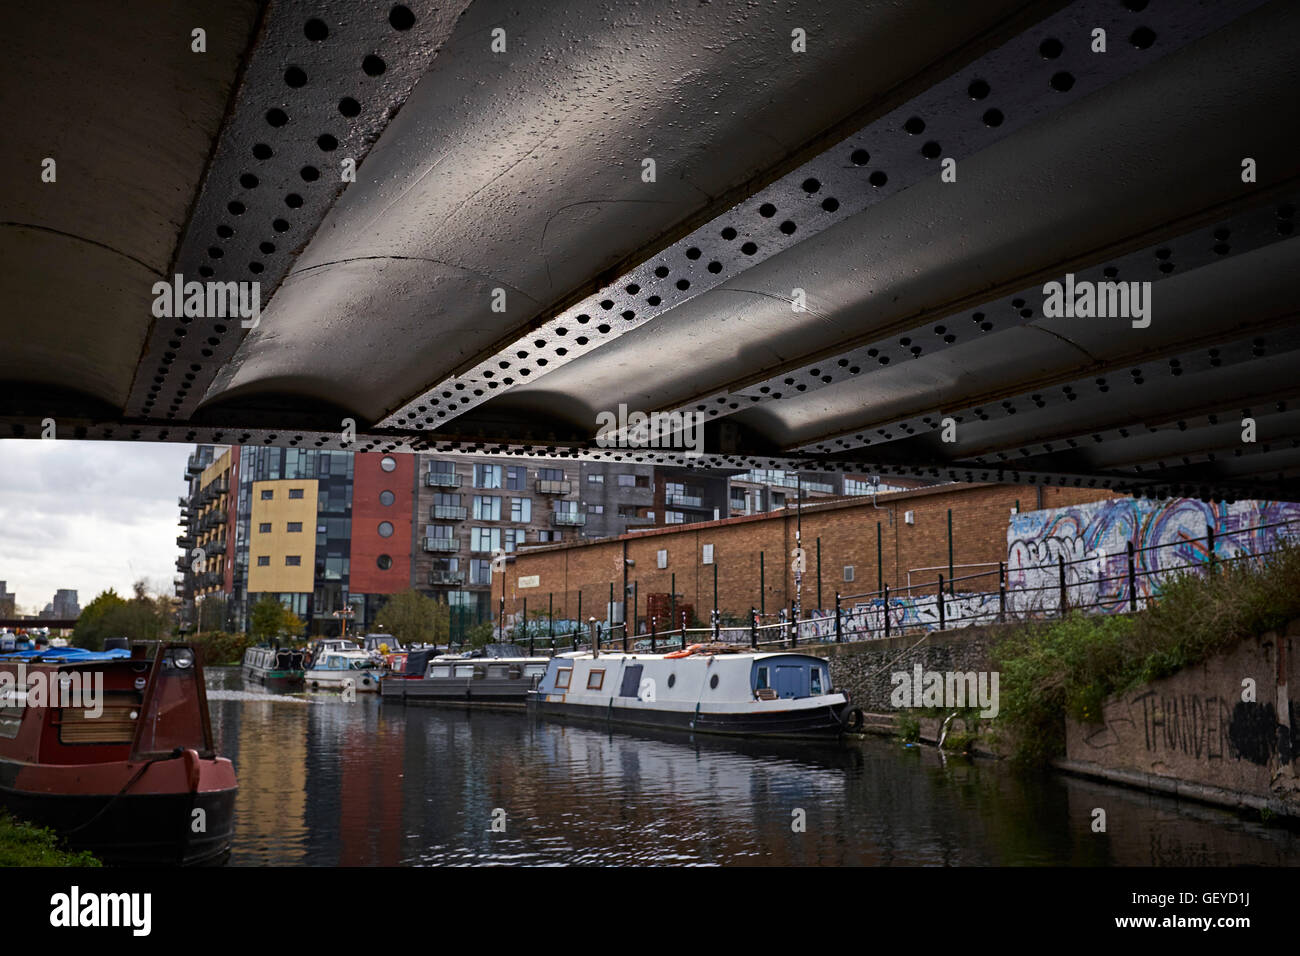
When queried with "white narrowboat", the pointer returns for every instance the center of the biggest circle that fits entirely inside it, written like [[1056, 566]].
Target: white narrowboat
[[333, 669], [716, 689]]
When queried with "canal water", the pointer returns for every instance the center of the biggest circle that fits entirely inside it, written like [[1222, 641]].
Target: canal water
[[324, 782]]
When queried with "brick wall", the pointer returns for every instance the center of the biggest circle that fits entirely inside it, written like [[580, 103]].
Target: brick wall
[[848, 533]]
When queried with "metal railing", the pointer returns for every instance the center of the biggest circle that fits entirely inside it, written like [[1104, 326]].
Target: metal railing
[[441, 544], [442, 479]]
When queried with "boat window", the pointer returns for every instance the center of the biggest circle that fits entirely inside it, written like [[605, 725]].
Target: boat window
[[114, 725], [816, 687], [762, 678], [497, 670], [440, 670], [11, 715], [464, 670], [595, 678], [672, 679], [562, 676], [531, 670], [713, 682]]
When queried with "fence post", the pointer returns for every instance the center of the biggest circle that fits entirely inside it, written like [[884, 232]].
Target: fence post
[[1065, 599], [653, 622], [1132, 580], [794, 627], [717, 619], [527, 629], [550, 617], [753, 627], [1002, 592], [683, 630], [940, 596], [839, 632], [1209, 545], [886, 610]]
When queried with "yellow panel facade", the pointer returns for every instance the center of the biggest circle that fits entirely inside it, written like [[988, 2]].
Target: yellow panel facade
[[274, 505]]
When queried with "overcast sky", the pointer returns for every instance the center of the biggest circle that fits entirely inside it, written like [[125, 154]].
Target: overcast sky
[[88, 515]]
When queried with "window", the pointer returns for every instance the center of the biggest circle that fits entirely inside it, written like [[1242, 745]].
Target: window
[[562, 677], [487, 508], [484, 539], [550, 474], [762, 678], [480, 571], [386, 498], [264, 527], [566, 507], [388, 463], [498, 671], [596, 479], [516, 477], [595, 509], [268, 494], [295, 526], [848, 572], [385, 529], [549, 536], [661, 558], [439, 670], [627, 481], [464, 670], [707, 554], [295, 492], [384, 561], [514, 538], [674, 517], [816, 686], [487, 476], [293, 560], [595, 678], [263, 560], [521, 510]]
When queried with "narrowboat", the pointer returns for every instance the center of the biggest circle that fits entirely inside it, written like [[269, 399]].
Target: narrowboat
[[716, 689], [334, 669], [275, 667], [494, 681], [114, 751]]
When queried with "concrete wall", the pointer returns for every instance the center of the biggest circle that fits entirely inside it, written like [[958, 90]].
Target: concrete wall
[[1193, 735]]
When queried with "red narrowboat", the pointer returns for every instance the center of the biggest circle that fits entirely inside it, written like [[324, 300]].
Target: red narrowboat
[[114, 751]]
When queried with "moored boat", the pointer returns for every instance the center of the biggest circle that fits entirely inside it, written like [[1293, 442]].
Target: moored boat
[[114, 751], [496, 681], [715, 689], [274, 667]]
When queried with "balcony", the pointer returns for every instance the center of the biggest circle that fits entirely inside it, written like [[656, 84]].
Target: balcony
[[684, 501], [569, 519], [441, 544], [450, 512], [185, 541], [637, 520], [193, 466], [546, 486], [442, 479], [183, 501], [447, 577]]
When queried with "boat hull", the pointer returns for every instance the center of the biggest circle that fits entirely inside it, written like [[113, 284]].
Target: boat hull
[[488, 692], [825, 721], [153, 822], [364, 682], [276, 680]]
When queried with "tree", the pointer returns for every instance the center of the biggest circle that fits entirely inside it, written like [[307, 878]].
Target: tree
[[142, 618], [212, 613], [413, 618], [90, 630], [271, 619]]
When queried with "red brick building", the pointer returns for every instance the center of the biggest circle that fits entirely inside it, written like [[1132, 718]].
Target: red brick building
[[899, 539]]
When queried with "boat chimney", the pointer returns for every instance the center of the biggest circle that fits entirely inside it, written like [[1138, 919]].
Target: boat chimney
[[592, 629]]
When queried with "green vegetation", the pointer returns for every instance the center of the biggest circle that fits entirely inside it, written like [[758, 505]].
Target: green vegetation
[[141, 618], [1069, 667], [23, 844], [271, 619], [909, 727], [222, 648], [414, 618], [480, 634]]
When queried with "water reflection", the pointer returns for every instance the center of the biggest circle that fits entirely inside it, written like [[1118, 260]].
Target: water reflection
[[324, 782]]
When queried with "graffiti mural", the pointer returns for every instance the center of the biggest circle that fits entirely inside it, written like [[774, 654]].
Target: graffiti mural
[[1092, 539]]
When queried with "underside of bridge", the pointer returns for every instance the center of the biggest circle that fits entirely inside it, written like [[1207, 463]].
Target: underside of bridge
[[828, 229]]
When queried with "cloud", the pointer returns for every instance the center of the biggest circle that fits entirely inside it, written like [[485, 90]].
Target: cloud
[[89, 516]]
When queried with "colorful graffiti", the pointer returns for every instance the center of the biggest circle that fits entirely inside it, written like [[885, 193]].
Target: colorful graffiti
[[1092, 539]]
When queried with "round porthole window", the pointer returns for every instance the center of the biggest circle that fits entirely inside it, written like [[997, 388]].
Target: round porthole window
[[388, 463], [384, 561], [713, 681], [385, 529], [386, 498], [672, 679]]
